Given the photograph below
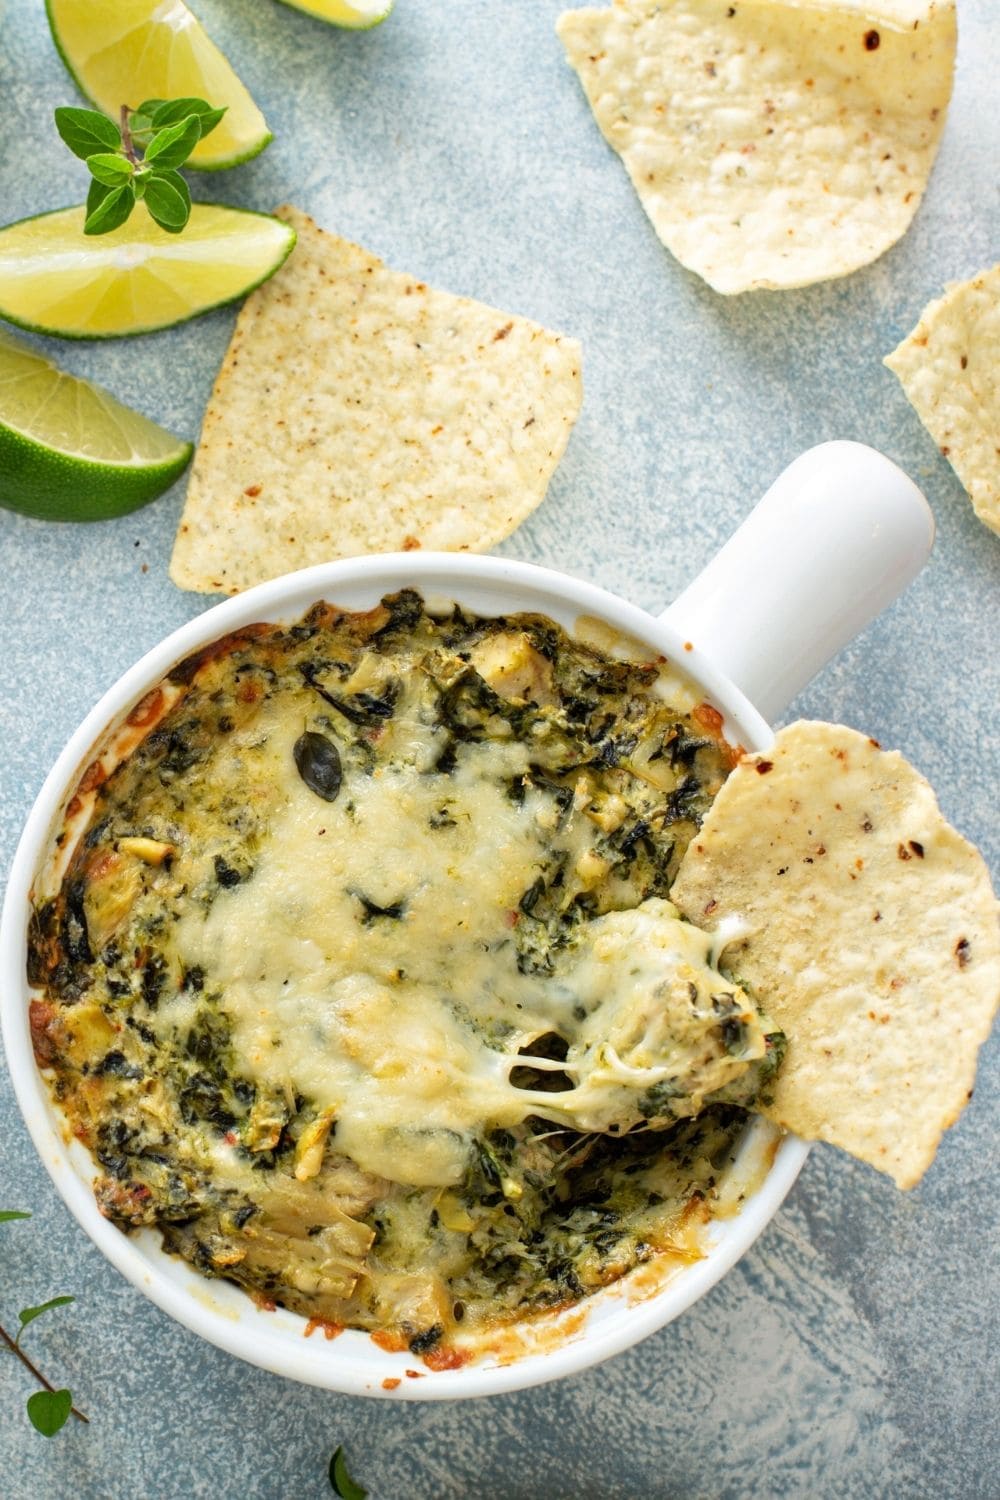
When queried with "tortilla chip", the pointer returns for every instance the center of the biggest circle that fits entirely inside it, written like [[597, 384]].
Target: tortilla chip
[[873, 943], [773, 143], [948, 368], [359, 411]]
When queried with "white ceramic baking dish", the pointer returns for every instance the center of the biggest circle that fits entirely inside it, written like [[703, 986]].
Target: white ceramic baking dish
[[835, 539]]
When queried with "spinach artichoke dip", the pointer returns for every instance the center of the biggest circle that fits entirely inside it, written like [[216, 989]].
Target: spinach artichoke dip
[[359, 980]]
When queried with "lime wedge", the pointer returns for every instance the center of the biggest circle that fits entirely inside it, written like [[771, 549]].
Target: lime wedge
[[69, 451], [54, 279], [126, 51], [361, 16]]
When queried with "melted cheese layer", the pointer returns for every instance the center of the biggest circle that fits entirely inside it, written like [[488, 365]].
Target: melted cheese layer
[[368, 965]]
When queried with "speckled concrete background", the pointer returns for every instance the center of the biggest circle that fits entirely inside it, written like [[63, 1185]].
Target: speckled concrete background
[[853, 1352]]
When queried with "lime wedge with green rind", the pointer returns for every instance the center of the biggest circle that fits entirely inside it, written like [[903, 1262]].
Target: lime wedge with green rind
[[69, 451], [54, 279], [126, 51], [361, 16]]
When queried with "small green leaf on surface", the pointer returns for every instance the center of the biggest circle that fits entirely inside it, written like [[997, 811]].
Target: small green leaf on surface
[[166, 203], [341, 1482], [48, 1411], [112, 210], [110, 168], [172, 146], [7, 1214], [85, 131], [29, 1314]]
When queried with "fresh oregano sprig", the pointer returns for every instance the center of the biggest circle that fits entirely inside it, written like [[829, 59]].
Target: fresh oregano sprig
[[138, 159], [50, 1408]]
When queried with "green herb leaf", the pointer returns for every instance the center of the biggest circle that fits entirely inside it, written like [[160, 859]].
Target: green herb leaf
[[111, 210], [167, 203], [172, 147], [210, 118], [7, 1214], [167, 174], [96, 195], [140, 122], [169, 112], [49, 1410], [109, 168], [29, 1314], [86, 131], [341, 1482]]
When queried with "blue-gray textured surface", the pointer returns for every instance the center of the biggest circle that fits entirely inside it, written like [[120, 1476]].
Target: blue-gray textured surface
[[853, 1352]]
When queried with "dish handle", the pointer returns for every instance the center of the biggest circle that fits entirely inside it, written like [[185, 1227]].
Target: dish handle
[[839, 535]]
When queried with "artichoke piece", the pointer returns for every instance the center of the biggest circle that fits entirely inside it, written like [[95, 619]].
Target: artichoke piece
[[320, 1257], [113, 886], [325, 1264], [265, 1122], [311, 1145], [418, 1305], [150, 851], [88, 1031], [513, 668]]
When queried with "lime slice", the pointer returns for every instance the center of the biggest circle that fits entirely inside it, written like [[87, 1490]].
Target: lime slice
[[69, 451], [54, 279], [361, 16], [125, 51]]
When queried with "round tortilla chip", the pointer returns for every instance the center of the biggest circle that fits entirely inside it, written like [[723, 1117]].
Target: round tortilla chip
[[773, 143], [948, 369], [874, 942]]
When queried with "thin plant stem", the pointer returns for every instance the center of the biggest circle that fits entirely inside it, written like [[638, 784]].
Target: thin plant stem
[[15, 1348], [128, 145]]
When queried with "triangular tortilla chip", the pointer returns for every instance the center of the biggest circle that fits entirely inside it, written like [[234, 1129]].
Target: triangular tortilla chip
[[949, 368], [773, 143], [357, 410], [873, 939]]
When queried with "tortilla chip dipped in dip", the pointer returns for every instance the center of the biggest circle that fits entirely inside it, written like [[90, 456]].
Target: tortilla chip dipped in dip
[[773, 143], [948, 368], [871, 939], [358, 410]]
